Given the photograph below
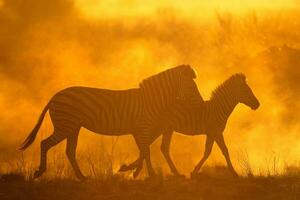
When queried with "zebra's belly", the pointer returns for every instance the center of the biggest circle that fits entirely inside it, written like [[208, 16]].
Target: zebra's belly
[[190, 130], [109, 129], [110, 132]]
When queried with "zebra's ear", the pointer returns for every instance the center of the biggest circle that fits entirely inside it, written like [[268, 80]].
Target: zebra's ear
[[189, 72], [242, 77]]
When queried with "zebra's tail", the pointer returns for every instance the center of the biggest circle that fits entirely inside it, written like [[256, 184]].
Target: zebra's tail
[[30, 138]]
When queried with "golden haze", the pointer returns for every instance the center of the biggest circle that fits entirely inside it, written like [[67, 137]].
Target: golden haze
[[45, 47]]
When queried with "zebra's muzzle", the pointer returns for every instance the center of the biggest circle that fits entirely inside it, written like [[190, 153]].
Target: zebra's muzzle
[[255, 106]]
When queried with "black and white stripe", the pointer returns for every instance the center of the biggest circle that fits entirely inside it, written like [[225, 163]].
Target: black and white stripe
[[207, 118], [111, 112]]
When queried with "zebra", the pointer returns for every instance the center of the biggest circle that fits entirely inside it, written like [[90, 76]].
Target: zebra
[[209, 118], [113, 112]]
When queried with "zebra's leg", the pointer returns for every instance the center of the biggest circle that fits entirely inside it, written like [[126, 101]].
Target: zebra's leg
[[139, 166], [139, 161], [165, 149], [146, 155], [71, 154], [146, 140], [208, 147], [221, 143], [46, 144], [143, 142], [131, 166]]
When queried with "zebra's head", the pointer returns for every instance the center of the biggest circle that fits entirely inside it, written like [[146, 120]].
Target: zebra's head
[[245, 94], [187, 88], [176, 83]]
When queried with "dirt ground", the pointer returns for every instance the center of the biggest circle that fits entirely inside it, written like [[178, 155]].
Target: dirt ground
[[202, 187]]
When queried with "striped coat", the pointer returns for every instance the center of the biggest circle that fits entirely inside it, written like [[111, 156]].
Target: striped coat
[[207, 118], [112, 112], [108, 112]]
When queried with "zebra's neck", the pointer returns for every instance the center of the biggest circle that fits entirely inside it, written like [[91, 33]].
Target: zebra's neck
[[224, 102]]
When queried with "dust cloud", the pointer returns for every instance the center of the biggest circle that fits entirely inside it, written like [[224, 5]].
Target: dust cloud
[[46, 46]]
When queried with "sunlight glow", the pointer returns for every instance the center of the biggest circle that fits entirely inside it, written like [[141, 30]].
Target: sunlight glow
[[115, 44], [103, 9]]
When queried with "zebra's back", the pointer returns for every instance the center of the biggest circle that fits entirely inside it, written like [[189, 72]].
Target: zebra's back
[[111, 112], [185, 119]]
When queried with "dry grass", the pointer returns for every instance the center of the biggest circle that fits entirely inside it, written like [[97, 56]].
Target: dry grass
[[212, 183]]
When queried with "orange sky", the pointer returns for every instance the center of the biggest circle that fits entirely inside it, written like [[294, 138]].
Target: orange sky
[[45, 47]]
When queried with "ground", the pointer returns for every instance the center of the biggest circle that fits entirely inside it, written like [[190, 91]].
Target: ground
[[117, 187]]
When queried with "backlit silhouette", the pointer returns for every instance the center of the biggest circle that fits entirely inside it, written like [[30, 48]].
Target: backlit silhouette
[[110, 112], [209, 118]]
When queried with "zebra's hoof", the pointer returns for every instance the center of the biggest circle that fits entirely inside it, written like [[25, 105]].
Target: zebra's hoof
[[181, 176], [136, 173], [194, 175], [82, 178], [234, 174], [37, 174], [123, 168], [175, 177], [153, 178]]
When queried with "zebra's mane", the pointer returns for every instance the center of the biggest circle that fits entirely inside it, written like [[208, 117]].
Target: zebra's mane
[[158, 79], [232, 81]]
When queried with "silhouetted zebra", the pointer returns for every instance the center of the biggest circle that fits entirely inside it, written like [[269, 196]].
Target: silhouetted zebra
[[209, 118], [112, 112]]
